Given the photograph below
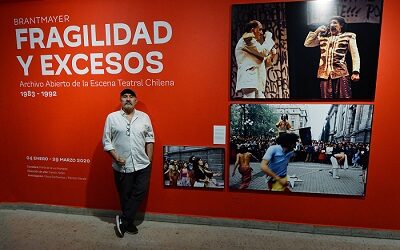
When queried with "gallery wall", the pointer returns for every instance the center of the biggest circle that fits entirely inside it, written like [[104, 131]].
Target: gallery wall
[[51, 142]]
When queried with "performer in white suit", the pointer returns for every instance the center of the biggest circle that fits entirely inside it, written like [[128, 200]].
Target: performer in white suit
[[338, 161], [251, 52]]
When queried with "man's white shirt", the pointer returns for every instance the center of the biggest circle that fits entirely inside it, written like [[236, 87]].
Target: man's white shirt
[[128, 139]]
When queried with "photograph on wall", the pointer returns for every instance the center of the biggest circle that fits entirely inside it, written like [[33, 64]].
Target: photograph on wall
[[259, 54], [193, 167], [302, 148], [305, 50]]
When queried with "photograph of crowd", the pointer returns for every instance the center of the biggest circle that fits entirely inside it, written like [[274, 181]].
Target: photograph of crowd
[[305, 50], [197, 167], [305, 148]]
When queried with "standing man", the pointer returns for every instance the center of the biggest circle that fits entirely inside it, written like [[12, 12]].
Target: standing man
[[276, 159], [283, 125], [251, 52], [328, 151], [334, 44], [243, 162], [128, 138]]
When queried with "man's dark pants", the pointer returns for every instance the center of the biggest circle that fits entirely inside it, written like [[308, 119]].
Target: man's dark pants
[[132, 188]]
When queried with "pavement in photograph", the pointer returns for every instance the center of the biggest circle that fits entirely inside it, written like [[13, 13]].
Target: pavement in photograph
[[315, 179]]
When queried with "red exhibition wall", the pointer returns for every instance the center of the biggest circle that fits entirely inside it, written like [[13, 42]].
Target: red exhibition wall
[[53, 119]]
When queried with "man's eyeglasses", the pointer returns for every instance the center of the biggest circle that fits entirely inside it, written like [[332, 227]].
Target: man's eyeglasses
[[128, 129]]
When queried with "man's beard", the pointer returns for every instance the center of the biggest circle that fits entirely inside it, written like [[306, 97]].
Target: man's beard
[[128, 105]]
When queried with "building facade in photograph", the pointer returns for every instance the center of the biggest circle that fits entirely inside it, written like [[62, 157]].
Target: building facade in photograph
[[350, 123]]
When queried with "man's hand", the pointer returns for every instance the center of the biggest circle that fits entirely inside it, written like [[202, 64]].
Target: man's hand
[[320, 29], [120, 160], [283, 181], [355, 77], [117, 158], [248, 37]]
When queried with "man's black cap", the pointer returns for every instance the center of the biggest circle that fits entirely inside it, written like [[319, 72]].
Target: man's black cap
[[128, 91]]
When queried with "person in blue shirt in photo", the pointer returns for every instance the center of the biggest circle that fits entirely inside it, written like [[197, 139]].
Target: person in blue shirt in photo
[[276, 159]]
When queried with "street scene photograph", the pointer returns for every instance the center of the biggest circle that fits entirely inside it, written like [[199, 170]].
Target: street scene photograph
[[193, 167], [304, 148]]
